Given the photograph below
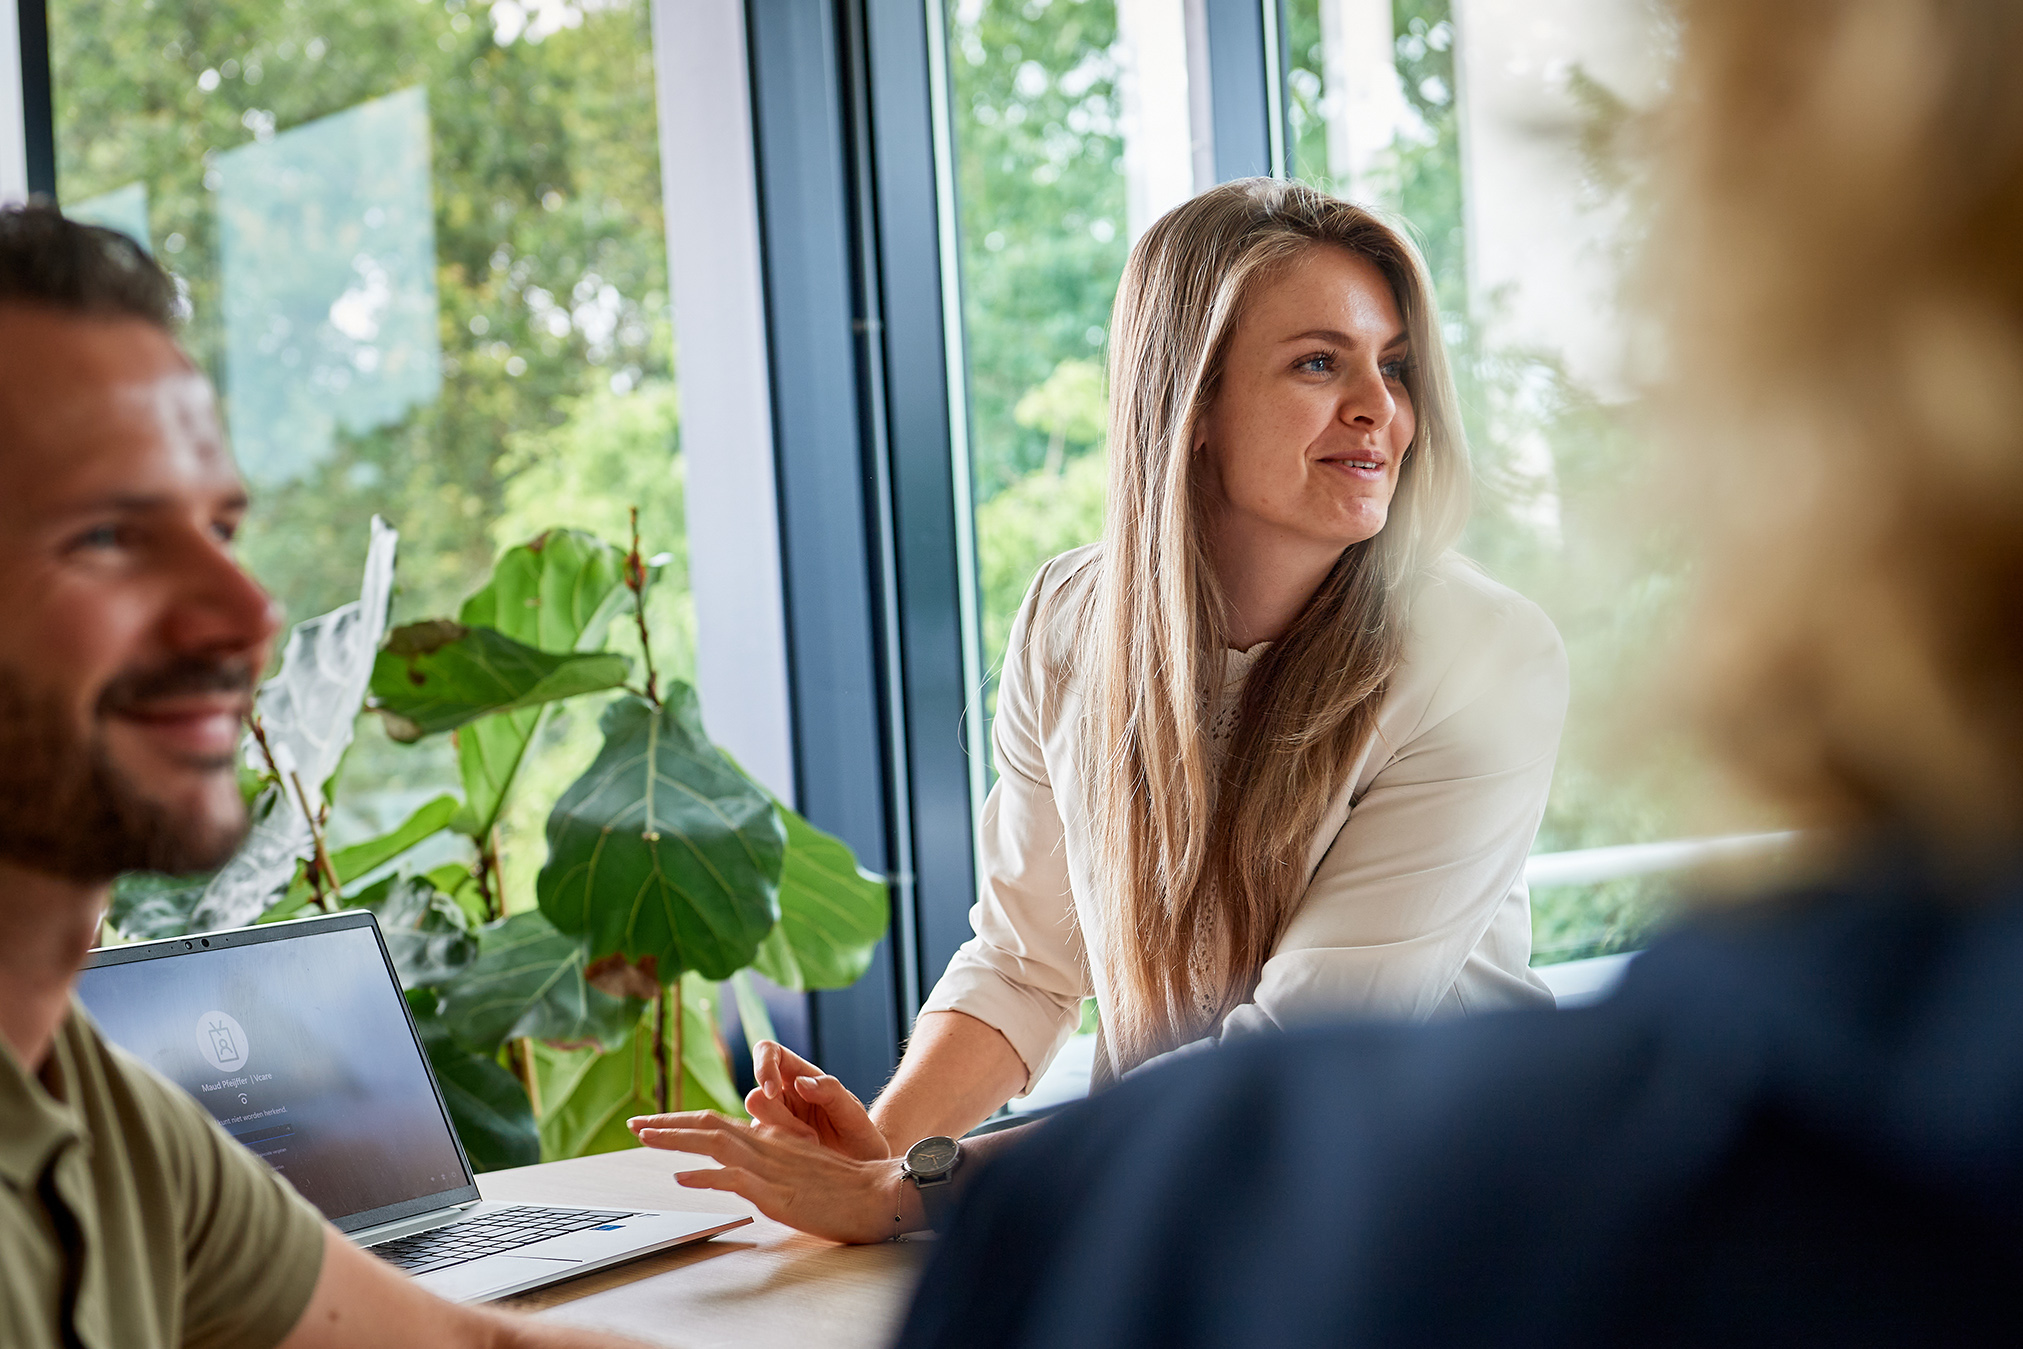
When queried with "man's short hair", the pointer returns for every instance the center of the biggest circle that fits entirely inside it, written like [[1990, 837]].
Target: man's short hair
[[56, 263]]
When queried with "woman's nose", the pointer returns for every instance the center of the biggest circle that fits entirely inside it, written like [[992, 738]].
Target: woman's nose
[[1367, 402]]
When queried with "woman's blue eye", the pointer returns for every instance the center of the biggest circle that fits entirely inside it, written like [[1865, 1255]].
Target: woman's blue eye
[[1395, 370], [1317, 364], [105, 536]]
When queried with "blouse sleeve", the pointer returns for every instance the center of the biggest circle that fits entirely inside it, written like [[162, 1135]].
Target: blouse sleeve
[[1025, 972], [1435, 845]]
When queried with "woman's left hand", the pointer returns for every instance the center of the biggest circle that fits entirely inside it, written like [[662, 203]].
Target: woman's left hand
[[793, 1181]]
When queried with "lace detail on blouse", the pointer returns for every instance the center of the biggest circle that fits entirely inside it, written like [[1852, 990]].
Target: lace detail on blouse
[[1206, 961]]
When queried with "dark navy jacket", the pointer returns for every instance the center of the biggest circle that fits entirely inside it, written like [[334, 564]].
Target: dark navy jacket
[[1797, 1124]]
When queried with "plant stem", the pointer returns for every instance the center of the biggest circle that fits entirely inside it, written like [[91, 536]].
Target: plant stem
[[320, 864], [677, 1016], [320, 870], [660, 1052], [529, 1078], [635, 581], [491, 885]]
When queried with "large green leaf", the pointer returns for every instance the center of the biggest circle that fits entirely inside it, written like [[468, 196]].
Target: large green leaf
[[586, 1096], [438, 675], [358, 859], [557, 592], [528, 980], [487, 1104], [663, 848], [833, 913], [427, 934]]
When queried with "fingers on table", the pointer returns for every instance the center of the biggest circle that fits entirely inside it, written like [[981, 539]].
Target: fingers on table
[[708, 1135], [768, 1197]]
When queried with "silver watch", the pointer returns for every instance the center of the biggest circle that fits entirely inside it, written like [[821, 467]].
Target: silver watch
[[930, 1164]]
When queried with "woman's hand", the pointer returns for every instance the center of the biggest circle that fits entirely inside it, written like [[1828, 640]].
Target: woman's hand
[[796, 1100], [791, 1180]]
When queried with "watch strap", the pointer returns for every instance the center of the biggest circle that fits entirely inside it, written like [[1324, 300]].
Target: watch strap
[[937, 1201]]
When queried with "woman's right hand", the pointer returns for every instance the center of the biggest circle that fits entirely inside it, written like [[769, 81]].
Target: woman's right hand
[[795, 1099]]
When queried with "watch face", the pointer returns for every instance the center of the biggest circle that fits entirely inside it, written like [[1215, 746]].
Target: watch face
[[931, 1156]]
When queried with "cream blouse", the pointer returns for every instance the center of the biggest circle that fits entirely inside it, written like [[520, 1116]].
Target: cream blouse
[[1415, 905]]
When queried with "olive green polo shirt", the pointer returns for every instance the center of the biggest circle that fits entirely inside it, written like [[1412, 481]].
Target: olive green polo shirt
[[130, 1220]]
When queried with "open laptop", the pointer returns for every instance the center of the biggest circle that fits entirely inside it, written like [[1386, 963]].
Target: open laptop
[[295, 1036]]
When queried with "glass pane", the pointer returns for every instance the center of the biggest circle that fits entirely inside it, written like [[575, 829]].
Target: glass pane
[[1524, 210], [423, 253], [1070, 122]]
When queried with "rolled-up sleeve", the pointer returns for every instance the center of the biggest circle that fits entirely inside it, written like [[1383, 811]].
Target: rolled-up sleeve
[[1433, 852], [1025, 972]]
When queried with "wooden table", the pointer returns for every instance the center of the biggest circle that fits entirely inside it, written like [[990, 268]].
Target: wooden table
[[757, 1286]]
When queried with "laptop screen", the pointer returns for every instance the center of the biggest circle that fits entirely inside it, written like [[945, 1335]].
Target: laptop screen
[[296, 1039]]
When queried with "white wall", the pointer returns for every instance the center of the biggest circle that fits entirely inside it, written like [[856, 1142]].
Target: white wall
[[710, 192], [13, 140]]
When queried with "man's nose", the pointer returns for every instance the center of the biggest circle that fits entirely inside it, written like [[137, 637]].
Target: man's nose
[[220, 608]]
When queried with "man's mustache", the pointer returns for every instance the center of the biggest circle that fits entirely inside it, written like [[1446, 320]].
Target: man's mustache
[[177, 678]]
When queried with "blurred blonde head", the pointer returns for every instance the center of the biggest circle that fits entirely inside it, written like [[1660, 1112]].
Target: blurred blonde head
[[1187, 858], [1844, 225]]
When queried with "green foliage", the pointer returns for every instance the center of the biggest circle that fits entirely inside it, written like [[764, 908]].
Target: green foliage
[[546, 181], [664, 849], [428, 936], [528, 980], [832, 914], [586, 1096], [557, 592], [1068, 406], [437, 675], [491, 1111], [1039, 517], [146, 906], [360, 858], [1038, 162]]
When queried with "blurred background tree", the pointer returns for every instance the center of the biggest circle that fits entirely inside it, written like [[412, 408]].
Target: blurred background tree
[[557, 405]]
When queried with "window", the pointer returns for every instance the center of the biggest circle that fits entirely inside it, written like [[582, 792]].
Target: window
[[1490, 129], [422, 249], [1070, 120]]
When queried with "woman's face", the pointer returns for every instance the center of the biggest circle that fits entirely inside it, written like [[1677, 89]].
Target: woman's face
[[1308, 431]]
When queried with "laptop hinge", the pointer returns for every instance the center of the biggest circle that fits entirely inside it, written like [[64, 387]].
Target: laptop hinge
[[407, 1227]]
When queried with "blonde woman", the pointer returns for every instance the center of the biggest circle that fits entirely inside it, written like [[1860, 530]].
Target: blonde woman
[[1270, 754]]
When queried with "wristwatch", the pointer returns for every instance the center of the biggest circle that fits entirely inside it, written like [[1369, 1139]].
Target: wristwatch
[[930, 1164]]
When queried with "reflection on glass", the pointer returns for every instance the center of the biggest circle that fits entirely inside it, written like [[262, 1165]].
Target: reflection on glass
[[327, 251], [1514, 187], [124, 209], [423, 248]]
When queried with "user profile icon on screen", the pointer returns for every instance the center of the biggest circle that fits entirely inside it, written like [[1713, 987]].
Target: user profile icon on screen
[[222, 1041]]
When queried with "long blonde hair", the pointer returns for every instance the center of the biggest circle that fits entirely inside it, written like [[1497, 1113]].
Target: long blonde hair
[[1183, 854], [1843, 257]]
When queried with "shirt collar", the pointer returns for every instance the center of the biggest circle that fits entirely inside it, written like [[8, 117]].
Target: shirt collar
[[34, 1124]]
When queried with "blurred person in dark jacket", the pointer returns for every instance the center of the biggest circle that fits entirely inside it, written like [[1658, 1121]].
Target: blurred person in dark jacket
[[1800, 1120]]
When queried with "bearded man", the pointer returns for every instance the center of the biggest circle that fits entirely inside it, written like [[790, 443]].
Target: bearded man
[[130, 643]]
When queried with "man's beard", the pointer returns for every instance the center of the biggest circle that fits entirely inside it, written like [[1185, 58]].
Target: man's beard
[[67, 810]]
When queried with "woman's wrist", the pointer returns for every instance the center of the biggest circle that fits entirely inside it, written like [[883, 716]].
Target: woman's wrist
[[908, 1214]]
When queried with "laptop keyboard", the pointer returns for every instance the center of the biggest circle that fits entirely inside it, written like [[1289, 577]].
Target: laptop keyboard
[[490, 1233]]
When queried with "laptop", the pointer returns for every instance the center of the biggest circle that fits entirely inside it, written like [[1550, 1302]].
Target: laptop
[[297, 1039]]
